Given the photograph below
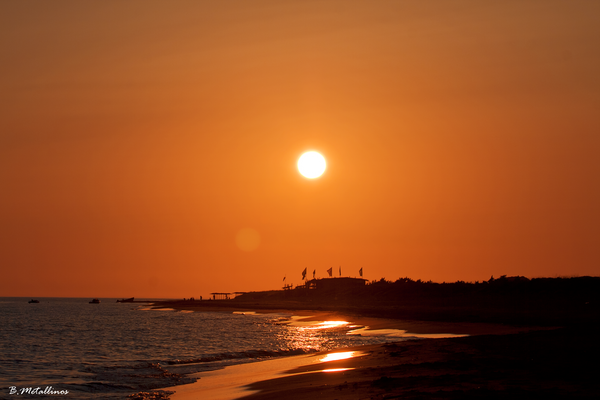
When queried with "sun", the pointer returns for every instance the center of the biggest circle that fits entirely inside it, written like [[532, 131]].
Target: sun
[[311, 164]]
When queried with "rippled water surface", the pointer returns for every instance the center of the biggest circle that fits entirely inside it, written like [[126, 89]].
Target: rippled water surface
[[111, 350]]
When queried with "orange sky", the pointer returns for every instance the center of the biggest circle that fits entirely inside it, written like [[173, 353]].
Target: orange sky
[[138, 138]]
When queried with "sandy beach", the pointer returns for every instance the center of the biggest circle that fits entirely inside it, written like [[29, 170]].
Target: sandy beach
[[457, 360]]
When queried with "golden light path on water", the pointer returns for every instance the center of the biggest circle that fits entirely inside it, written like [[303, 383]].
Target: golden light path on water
[[337, 356], [327, 325], [311, 335], [335, 370], [307, 334]]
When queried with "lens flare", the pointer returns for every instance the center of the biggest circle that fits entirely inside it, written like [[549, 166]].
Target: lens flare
[[247, 239]]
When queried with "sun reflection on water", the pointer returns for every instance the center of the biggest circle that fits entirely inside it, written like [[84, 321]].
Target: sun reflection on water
[[338, 356], [335, 369], [327, 325], [314, 335]]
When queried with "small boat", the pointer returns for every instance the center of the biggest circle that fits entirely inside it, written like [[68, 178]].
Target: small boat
[[129, 300], [33, 301], [95, 301]]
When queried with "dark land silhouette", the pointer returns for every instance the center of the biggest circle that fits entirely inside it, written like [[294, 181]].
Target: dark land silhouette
[[508, 300], [552, 353]]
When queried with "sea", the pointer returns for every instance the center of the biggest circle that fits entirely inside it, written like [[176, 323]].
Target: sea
[[69, 348]]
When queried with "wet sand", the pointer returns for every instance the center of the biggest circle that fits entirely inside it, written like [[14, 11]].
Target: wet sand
[[493, 361]]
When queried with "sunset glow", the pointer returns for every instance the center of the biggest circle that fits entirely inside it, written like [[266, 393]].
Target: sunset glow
[[164, 151], [290, 182]]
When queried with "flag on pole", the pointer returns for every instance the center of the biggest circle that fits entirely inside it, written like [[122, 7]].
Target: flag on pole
[[304, 274], [314, 272], [330, 271], [360, 271]]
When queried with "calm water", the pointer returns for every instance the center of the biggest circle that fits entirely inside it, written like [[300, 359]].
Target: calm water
[[111, 350]]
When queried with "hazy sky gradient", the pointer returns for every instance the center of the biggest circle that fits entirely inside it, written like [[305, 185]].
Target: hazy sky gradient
[[137, 138]]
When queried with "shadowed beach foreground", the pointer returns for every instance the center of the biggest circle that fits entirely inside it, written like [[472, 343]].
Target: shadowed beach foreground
[[558, 363], [547, 363], [556, 356], [515, 363]]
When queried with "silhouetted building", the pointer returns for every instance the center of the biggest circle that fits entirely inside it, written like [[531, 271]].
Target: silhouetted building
[[221, 296], [335, 284]]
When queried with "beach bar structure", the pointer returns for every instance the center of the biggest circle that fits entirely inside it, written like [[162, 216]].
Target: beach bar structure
[[335, 284], [221, 296]]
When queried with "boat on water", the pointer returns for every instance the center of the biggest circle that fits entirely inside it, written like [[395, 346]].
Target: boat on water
[[129, 300], [95, 301], [33, 301]]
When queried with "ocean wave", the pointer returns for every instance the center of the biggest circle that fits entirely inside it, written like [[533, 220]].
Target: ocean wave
[[135, 377], [110, 351], [250, 354]]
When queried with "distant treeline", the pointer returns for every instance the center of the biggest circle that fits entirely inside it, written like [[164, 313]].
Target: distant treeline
[[584, 288]]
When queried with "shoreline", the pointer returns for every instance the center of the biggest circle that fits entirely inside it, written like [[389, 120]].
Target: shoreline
[[267, 379], [356, 317]]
